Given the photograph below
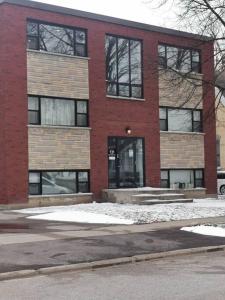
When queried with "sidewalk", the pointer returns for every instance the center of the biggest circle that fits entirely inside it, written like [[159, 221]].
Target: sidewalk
[[30, 244]]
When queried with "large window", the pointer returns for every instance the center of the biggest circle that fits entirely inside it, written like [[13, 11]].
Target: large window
[[186, 120], [58, 182], [182, 178], [123, 67], [57, 112], [56, 39], [184, 60]]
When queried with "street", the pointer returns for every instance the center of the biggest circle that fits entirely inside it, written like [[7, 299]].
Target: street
[[199, 277]]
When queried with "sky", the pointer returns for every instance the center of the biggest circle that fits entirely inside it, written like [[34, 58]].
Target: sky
[[134, 10]]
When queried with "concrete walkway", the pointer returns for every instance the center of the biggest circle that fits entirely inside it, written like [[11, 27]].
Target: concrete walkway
[[30, 244]]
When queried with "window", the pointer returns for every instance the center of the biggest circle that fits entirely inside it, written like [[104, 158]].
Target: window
[[218, 151], [182, 178], [123, 67], [57, 112], [220, 175], [186, 120], [34, 183], [56, 39], [164, 179], [34, 110], [58, 182], [181, 59]]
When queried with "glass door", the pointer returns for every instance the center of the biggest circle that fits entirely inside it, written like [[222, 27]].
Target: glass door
[[126, 162]]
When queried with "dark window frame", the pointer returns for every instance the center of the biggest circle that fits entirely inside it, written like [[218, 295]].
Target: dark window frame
[[75, 29], [117, 83], [61, 98], [165, 59], [167, 108], [76, 183], [186, 169]]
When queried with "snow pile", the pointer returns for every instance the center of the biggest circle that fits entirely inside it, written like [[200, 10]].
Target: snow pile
[[206, 230], [112, 213]]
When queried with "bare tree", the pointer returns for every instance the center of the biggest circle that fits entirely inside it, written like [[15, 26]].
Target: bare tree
[[206, 18]]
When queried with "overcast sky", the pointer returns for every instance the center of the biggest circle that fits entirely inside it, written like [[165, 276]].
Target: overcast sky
[[135, 10]]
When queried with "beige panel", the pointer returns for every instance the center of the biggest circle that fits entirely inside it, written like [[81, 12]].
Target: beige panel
[[57, 75], [180, 150], [35, 201], [59, 148], [220, 132], [176, 91]]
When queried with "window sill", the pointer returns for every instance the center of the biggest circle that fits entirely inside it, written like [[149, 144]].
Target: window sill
[[182, 132], [58, 54], [60, 195], [125, 98], [59, 127]]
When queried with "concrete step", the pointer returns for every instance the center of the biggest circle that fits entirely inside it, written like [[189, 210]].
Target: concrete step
[[164, 196], [157, 201]]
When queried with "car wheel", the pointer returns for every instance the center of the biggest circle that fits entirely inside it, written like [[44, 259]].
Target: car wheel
[[222, 189]]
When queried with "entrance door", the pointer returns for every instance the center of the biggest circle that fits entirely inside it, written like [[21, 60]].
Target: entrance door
[[126, 162]]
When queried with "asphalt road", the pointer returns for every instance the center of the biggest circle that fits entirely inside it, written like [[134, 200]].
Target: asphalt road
[[197, 277]]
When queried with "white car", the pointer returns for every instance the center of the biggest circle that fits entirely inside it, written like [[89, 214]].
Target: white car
[[221, 182]]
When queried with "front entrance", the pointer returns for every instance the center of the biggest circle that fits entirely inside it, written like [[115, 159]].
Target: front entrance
[[126, 162]]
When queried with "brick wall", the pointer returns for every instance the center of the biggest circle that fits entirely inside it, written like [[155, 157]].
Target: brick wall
[[108, 117], [57, 75], [59, 148], [181, 150]]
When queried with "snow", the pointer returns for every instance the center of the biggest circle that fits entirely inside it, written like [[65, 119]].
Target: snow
[[113, 213], [206, 230], [81, 217]]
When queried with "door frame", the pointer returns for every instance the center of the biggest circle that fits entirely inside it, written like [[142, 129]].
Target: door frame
[[117, 169]]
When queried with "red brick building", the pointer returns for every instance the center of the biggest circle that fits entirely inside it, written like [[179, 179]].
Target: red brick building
[[87, 103]]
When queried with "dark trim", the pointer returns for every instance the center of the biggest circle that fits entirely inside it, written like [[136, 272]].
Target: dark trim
[[77, 171], [102, 18], [62, 98]]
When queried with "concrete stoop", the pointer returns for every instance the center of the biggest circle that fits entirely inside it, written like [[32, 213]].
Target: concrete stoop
[[146, 196]]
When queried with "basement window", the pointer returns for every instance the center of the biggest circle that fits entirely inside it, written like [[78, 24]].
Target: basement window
[[182, 178], [58, 182]]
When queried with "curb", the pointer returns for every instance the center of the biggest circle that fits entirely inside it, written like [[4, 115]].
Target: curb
[[107, 263]]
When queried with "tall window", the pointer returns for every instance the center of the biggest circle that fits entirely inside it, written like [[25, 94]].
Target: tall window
[[57, 112], [58, 182], [56, 39], [123, 67], [174, 119], [181, 59]]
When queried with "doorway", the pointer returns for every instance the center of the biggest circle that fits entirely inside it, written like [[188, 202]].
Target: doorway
[[126, 162]]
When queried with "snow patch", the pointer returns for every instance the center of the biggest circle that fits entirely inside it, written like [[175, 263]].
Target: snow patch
[[81, 217], [206, 230]]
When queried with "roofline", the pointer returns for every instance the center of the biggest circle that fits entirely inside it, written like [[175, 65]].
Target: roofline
[[103, 18]]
